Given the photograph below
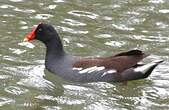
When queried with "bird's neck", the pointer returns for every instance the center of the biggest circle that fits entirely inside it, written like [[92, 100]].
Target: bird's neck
[[54, 49]]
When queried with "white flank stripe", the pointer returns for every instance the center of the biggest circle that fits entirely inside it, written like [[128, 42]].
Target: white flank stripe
[[85, 70], [111, 71], [92, 69], [104, 74], [77, 69], [108, 72], [145, 68], [100, 68]]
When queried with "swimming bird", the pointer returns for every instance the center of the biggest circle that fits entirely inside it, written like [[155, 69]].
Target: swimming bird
[[120, 67]]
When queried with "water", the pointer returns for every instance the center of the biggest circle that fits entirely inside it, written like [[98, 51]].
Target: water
[[87, 28]]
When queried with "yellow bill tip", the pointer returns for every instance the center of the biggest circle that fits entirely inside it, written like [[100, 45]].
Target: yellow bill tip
[[25, 40]]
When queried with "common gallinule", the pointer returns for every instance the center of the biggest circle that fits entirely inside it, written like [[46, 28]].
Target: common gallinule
[[117, 68]]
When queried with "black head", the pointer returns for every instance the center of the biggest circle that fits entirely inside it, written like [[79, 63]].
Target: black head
[[43, 32], [47, 34]]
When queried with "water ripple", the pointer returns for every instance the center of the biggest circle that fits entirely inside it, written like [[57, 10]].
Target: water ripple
[[17, 51], [16, 0], [60, 100], [43, 16], [46, 97], [161, 25], [35, 78], [123, 27], [83, 14], [26, 44], [156, 1], [5, 77], [58, 1], [164, 11], [24, 10], [103, 36], [99, 106], [16, 90], [4, 6], [8, 15], [115, 43], [107, 18], [80, 45], [51, 7], [70, 101], [73, 22], [73, 31], [52, 108], [74, 87], [6, 101], [35, 82], [150, 38]]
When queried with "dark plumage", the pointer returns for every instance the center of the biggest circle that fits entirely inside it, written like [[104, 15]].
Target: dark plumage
[[116, 68]]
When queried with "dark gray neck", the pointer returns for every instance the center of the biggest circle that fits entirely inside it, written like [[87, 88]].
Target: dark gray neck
[[54, 49]]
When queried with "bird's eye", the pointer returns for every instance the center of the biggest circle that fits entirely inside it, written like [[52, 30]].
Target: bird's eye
[[39, 29]]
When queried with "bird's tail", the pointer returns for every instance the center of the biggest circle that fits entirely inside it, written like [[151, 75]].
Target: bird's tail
[[139, 72]]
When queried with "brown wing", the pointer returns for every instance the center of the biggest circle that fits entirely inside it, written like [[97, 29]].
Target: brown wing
[[120, 62]]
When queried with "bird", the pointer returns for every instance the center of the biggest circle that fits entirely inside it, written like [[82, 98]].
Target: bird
[[121, 67]]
